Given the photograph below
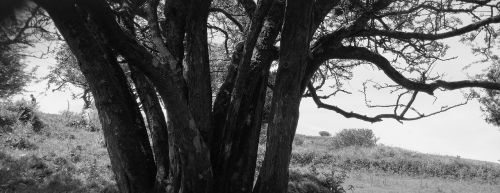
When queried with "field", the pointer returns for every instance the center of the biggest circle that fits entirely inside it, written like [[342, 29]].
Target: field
[[66, 156], [390, 169]]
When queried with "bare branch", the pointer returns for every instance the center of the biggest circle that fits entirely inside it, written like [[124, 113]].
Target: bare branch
[[229, 16], [249, 6], [379, 117], [223, 32]]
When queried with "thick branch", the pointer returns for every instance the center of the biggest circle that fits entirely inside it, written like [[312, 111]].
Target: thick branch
[[359, 53], [423, 36]]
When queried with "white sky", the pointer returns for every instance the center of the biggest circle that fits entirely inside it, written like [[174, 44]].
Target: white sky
[[458, 132]]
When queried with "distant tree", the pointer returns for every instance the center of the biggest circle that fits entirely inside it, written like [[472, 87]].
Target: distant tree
[[324, 134]]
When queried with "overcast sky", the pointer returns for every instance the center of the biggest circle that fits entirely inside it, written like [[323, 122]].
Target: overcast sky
[[458, 132]]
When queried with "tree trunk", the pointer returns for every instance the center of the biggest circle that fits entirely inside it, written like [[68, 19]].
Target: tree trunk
[[157, 127], [190, 166], [123, 126], [273, 176], [197, 68], [237, 170]]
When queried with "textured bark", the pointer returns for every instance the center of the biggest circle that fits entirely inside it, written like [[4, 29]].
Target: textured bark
[[273, 176], [236, 171], [221, 106], [124, 130], [157, 126], [191, 168], [197, 68], [155, 118]]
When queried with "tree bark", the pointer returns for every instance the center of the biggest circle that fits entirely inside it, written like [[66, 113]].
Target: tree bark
[[237, 170], [123, 126], [157, 127], [155, 118], [294, 52], [197, 68]]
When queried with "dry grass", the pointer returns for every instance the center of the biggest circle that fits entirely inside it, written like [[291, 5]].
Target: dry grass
[[56, 159], [390, 169], [65, 158]]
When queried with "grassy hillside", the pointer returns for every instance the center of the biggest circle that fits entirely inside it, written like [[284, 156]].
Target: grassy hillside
[[65, 154], [390, 169], [61, 157]]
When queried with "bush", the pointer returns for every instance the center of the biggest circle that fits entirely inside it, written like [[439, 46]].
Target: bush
[[86, 120], [19, 111], [312, 181], [324, 134], [298, 141], [354, 137]]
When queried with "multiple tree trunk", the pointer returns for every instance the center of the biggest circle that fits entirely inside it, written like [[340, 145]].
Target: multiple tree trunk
[[201, 146]]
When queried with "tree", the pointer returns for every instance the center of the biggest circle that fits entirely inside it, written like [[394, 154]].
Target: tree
[[489, 99], [18, 31], [212, 143], [12, 75]]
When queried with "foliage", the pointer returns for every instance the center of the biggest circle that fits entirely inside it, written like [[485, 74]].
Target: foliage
[[87, 119], [12, 75], [312, 181], [354, 137], [37, 162], [324, 134], [19, 30], [490, 99], [66, 72], [20, 112], [392, 161]]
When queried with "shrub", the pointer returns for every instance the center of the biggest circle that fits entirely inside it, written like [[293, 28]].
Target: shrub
[[354, 137], [19, 111], [7, 116], [324, 134], [87, 120], [298, 141], [312, 181]]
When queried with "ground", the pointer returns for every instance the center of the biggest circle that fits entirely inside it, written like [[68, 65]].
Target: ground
[[69, 156]]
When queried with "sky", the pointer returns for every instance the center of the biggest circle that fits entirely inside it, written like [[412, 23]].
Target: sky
[[458, 132]]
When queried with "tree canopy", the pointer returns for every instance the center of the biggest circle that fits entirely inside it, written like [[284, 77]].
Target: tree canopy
[[215, 64]]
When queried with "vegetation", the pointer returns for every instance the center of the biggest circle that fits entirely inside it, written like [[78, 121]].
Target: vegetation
[[20, 112], [324, 134], [291, 48], [354, 137], [63, 158], [382, 168]]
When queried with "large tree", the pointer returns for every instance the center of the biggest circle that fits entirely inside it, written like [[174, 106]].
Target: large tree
[[212, 142]]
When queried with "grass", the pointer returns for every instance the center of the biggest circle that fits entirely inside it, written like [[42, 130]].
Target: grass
[[68, 157], [390, 169], [56, 159]]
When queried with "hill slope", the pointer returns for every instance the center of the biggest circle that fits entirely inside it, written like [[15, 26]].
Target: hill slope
[[390, 169], [66, 156]]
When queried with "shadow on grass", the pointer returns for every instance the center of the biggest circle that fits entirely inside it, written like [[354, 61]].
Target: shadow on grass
[[33, 174]]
